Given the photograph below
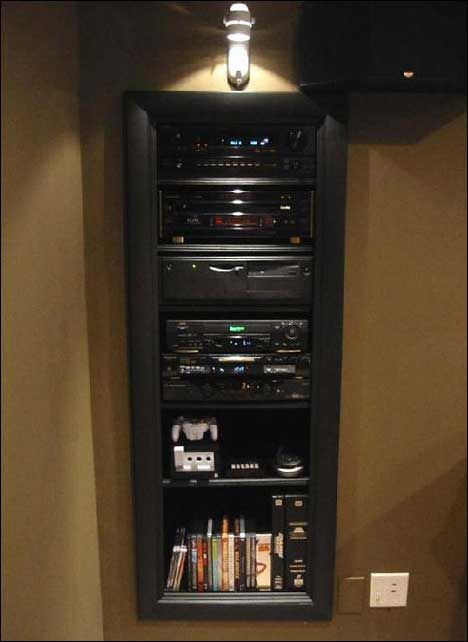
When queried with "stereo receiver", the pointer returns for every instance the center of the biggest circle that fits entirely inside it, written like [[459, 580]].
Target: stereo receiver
[[287, 154]]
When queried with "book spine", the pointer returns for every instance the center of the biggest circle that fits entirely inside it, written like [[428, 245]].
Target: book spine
[[225, 555], [253, 561], [189, 562], [194, 565], [214, 561], [180, 569], [248, 579], [200, 563], [297, 530], [277, 556], [209, 546], [205, 563], [220, 563], [173, 564], [231, 583], [263, 561], [243, 556], [237, 563], [209, 541]]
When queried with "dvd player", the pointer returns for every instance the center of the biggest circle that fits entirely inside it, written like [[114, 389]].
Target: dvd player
[[239, 336]]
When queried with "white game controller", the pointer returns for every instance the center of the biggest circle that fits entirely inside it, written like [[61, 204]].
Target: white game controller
[[194, 429]]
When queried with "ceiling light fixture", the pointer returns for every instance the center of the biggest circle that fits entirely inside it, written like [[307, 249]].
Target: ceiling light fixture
[[238, 23]]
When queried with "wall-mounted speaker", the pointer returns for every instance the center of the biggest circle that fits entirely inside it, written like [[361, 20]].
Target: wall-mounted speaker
[[383, 46]]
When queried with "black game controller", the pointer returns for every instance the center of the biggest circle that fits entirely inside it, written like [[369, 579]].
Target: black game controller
[[288, 464]]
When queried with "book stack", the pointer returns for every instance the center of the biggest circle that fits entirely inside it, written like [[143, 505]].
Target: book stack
[[224, 559], [289, 542], [228, 557], [176, 569]]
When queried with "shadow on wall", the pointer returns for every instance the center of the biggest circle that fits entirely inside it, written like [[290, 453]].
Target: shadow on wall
[[432, 550], [408, 118]]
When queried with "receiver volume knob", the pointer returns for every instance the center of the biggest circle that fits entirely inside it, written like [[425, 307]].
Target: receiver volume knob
[[297, 140], [292, 332]]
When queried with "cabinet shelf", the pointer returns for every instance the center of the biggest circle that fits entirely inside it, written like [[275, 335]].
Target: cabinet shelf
[[252, 405], [231, 481], [308, 427], [249, 605]]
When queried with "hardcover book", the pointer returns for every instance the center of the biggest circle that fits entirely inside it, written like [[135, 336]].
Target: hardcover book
[[231, 582], [225, 554], [263, 562], [243, 555], [277, 555], [296, 542]]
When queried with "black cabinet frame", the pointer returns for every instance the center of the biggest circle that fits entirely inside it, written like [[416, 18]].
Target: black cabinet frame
[[142, 111]]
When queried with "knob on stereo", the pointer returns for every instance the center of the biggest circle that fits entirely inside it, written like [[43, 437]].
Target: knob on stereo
[[292, 332], [297, 140]]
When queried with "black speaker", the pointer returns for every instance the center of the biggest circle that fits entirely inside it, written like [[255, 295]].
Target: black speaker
[[383, 45]]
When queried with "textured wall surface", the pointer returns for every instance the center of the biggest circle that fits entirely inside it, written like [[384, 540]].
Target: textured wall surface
[[402, 477], [402, 458], [50, 558]]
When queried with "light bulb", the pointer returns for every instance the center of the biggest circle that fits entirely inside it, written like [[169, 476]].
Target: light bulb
[[238, 25]]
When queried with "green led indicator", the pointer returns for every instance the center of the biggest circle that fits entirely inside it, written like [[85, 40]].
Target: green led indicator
[[236, 328], [194, 266]]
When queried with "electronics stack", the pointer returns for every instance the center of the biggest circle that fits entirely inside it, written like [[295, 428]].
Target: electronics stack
[[235, 221]]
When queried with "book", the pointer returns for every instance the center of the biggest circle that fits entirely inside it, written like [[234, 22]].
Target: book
[[205, 562], [209, 537], [180, 563], [253, 561], [263, 561], [220, 562], [237, 554], [214, 561], [296, 535], [277, 532], [231, 583], [243, 555], [200, 569], [189, 562], [178, 541], [248, 579], [193, 563], [225, 553]]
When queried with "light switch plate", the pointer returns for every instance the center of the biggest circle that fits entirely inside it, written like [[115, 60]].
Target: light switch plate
[[389, 590]]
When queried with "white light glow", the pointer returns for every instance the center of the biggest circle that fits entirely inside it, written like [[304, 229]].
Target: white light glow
[[238, 37], [238, 63]]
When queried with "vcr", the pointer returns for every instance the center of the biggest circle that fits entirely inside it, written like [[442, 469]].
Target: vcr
[[239, 336], [229, 365], [237, 390]]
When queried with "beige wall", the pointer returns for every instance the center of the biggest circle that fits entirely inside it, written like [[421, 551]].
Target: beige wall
[[402, 459], [50, 565], [402, 484]]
